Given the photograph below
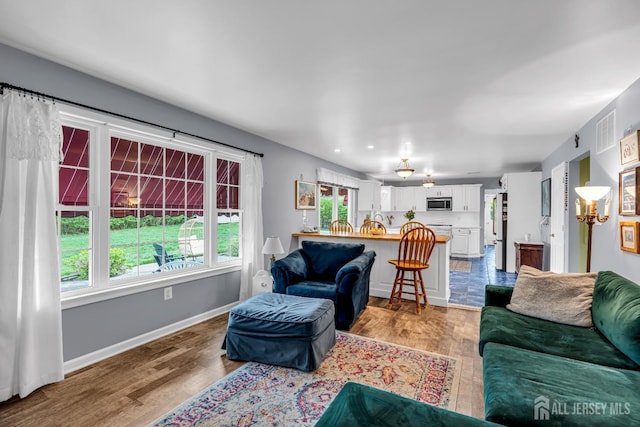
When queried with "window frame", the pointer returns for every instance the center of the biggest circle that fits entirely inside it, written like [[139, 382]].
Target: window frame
[[335, 195], [101, 128]]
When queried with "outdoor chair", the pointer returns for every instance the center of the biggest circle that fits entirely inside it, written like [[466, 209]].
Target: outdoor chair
[[162, 257]]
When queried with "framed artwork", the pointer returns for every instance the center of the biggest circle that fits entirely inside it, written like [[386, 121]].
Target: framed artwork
[[629, 148], [629, 236], [628, 192], [305, 195], [545, 192]]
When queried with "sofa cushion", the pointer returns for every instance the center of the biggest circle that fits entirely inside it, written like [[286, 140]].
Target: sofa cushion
[[363, 405], [518, 383], [616, 312], [563, 298], [326, 290], [499, 325], [325, 259]]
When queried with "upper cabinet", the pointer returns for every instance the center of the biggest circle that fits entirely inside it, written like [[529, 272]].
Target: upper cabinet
[[374, 196], [387, 198], [465, 198], [411, 198], [369, 196], [440, 191]]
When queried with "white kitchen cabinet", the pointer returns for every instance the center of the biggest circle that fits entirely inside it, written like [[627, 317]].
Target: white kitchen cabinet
[[439, 191], [411, 198], [419, 199], [474, 242], [460, 241], [465, 241], [465, 198], [387, 198], [369, 196]]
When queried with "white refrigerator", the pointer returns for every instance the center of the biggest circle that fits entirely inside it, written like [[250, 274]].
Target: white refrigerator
[[500, 218]]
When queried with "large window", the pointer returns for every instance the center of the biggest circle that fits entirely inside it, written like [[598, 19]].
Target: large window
[[134, 206]]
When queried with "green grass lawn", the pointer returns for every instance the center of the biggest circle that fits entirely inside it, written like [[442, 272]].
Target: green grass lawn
[[127, 239]]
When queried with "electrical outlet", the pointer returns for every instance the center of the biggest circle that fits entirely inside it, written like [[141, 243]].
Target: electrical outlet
[[168, 293]]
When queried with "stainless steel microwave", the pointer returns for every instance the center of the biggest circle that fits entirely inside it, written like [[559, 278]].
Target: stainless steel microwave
[[438, 203]]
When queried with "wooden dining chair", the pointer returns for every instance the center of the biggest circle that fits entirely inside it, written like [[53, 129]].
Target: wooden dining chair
[[370, 226], [410, 226], [414, 252], [340, 226]]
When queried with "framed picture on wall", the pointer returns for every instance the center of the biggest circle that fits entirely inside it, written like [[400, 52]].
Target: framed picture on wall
[[545, 192], [305, 195], [628, 192], [629, 148], [629, 236]]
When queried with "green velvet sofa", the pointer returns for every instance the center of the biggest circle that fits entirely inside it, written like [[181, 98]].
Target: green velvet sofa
[[538, 372], [358, 405]]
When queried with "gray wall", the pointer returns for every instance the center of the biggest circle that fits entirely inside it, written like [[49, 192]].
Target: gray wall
[[605, 166], [95, 326]]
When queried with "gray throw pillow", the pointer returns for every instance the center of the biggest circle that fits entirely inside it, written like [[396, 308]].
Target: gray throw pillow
[[562, 298]]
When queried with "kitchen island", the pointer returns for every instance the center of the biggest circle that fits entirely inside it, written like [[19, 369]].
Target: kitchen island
[[436, 277]]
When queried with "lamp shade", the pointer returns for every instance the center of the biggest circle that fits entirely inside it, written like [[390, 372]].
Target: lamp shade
[[592, 193], [272, 246]]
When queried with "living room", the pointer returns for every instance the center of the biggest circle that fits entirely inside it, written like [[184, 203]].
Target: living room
[[96, 330]]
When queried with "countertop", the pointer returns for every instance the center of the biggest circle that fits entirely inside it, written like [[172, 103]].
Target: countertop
[[527, 242], [391, 237]]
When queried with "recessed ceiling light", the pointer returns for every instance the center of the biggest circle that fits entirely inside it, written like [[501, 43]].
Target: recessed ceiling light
[[337, 150], [370, 147], [407, 142]]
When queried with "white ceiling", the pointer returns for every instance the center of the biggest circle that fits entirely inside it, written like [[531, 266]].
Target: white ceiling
[[463, 88]]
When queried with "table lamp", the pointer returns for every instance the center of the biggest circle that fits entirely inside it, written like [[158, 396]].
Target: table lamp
[[272, 246]]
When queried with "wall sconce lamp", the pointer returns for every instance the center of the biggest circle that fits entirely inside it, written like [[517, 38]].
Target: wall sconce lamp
[[404, 170], [591, 195], [272, 246]]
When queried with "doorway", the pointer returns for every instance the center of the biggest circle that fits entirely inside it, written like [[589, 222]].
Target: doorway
[[559, 206], [489, 209]]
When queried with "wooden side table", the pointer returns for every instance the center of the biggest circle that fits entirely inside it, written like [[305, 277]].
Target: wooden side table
[[529, 253]]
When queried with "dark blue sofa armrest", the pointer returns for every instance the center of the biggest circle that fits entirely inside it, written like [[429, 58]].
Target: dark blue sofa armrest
[[358, 269], [497, 296], [288, 271]]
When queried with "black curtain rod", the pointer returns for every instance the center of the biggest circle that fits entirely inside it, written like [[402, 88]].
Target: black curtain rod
[[4, 86]]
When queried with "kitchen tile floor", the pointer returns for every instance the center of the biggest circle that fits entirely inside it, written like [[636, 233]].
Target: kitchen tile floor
[[468, 288]]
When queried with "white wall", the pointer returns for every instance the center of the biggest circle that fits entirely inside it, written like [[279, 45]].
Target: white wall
[[605, 166], [523, 201]]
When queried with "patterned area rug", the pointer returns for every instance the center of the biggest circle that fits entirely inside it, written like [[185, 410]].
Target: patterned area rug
[[457, 265], [258, 394]]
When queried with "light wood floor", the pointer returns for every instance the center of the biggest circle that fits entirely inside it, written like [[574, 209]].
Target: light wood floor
[[136, 387]]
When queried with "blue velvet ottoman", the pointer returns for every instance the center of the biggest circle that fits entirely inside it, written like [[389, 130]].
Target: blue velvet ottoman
[[284, 330]]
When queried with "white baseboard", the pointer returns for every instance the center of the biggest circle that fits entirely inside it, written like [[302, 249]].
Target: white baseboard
[[112, 350]]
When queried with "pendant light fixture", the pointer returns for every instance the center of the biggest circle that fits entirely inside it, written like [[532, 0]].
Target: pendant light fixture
[[428, 183], [404, 170]]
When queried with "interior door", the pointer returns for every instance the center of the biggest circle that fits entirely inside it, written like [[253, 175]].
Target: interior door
[[557, 235]]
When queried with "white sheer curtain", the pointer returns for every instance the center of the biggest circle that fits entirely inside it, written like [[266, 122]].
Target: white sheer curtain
[[252, 234], [30, 313]]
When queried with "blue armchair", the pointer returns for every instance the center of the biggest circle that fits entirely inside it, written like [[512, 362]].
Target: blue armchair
[[336, 271]]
